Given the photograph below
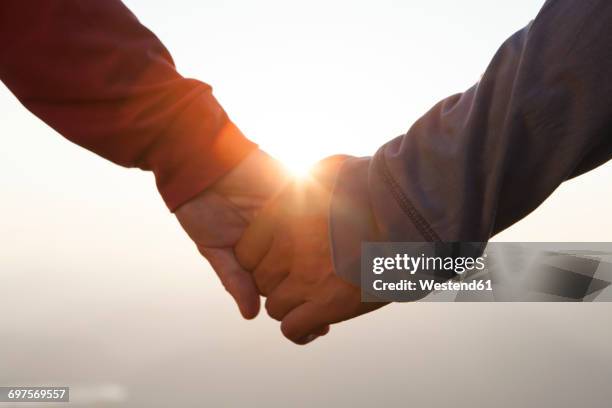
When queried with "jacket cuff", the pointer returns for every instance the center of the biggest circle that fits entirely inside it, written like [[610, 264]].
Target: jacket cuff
[[365, 207], [202, 146], [350, 219]]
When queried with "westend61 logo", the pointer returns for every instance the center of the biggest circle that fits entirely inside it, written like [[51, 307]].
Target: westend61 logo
[[412, 264]]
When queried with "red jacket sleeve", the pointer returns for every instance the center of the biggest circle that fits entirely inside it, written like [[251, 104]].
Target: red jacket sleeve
[[91, 71]]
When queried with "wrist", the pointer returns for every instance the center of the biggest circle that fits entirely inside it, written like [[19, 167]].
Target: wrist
[[257, 174], [209, 160]]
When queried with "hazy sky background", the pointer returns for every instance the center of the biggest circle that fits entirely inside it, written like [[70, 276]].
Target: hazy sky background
[[101, 290]]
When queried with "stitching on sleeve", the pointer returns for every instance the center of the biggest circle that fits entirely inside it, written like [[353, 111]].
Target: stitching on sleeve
[[405, 204]]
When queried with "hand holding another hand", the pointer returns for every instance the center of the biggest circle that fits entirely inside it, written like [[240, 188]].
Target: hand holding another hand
[[217, 218], [287, 249]]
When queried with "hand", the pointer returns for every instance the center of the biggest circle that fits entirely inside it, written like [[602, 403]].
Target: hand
[[216, 219], [288, 251]]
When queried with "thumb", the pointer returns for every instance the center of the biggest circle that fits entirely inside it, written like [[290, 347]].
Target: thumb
[[303, 323], [306, 319], [256, 239]]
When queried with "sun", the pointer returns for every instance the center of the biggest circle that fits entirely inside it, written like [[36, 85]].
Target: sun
[[298, 158], [299, 165]]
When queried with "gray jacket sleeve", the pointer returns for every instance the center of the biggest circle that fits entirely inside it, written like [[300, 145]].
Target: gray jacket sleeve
[[479, 161]]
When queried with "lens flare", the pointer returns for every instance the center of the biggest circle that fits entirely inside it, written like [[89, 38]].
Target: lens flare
[[299, 166]]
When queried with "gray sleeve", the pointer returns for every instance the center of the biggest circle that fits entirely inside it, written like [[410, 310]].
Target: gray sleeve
[[479, 161]]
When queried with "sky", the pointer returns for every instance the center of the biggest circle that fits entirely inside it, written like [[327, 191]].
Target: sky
[[105, 292]]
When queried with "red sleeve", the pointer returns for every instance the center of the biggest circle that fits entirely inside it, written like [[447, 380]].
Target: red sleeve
[[91, 71]]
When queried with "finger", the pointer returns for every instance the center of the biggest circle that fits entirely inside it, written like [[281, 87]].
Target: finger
[[256, 239], [302, 323], [238, 282], [312, 337], [274, 267], [323, 330], [283, 299]]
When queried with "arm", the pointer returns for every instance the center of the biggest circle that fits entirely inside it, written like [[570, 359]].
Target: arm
[[480, 161], [91, 71], [472, 166]]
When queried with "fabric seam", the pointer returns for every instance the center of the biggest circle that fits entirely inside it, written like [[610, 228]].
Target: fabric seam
[[402, 200]]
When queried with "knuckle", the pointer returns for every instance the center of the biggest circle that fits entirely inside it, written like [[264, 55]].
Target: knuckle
[[243, 256], [274, 310], [267, 278], [289, 331], [262, 278], [259, 276]]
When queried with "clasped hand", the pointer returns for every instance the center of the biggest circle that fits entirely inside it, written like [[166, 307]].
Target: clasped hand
[[286, 248], [265, 236]]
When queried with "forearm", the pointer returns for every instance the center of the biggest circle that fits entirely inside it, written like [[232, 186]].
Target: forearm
[[91, 71], [482, 160]]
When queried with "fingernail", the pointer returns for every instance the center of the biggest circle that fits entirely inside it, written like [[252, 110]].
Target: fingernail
[[308, 339]]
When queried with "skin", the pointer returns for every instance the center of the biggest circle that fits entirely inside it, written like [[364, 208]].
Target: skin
[[287, 249], [216, 219]]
